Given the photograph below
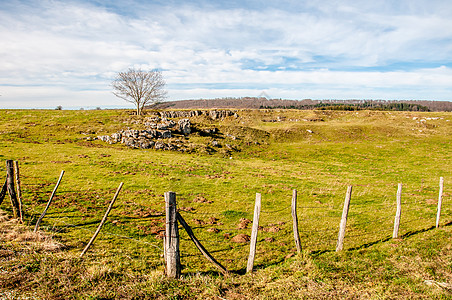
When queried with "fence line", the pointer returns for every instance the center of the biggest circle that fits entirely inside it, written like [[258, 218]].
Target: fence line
[[407, 207]]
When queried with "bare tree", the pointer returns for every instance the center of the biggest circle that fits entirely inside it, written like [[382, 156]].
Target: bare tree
[[140, 87]]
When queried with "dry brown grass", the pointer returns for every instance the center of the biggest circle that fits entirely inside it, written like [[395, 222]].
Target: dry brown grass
[[23, 238]]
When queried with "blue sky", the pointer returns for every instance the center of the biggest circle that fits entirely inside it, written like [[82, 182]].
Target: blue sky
[[67, 52]]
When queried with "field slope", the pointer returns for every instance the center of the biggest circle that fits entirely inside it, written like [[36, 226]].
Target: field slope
[[272, 152]]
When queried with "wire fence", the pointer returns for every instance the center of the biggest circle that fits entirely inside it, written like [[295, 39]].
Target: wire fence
[[367, 223]]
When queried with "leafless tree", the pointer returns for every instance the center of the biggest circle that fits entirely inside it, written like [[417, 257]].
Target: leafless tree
[[140, 87]]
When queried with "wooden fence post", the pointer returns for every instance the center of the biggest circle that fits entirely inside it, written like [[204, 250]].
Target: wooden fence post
[[48, 202], [395, 233], [172, 254], [103, 221], [340, 239], [19, 192], [257, 210], [11, 189], [296, 235], [440, 200]]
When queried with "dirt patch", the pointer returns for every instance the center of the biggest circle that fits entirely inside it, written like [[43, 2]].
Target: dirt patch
[[241, 238]]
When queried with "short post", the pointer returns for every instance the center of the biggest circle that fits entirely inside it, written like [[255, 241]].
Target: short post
[[257, 210], [48, 202], [103, 221], [19, 192], [11, 189], [395, 233], [340, 239], [296, 235], [440, 200], [172, 254]]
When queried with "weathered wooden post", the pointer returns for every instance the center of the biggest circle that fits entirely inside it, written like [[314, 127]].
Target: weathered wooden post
[[440, 200], [19, 192], [340, 239], [296, 235], [257, 210], [91, 241], [172, 254], [48, 202], [395, 233], [11, 189]]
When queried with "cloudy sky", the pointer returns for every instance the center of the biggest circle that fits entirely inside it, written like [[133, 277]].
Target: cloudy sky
[[67, 52]]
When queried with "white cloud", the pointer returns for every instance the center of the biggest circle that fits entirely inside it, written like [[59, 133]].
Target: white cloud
[[63, 48]]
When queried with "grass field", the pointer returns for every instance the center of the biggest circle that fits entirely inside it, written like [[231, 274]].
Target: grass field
[[319, 153]]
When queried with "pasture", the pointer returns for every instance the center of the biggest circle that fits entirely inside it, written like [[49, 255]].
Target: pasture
[[318, 153]]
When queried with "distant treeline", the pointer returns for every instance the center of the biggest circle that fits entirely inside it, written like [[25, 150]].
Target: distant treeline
[[256, 103], [368, 105]]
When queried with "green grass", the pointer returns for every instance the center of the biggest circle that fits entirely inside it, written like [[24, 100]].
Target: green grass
[[373, 151]]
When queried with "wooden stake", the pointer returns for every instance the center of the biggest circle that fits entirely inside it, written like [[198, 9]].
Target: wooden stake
[[19, 192], [10, 187], [200, 246], [48, 202], [3, 192], [395, 233], [172, 254], [340, 239], [257, 210], [440, 200], [103, 220], [296, 235]]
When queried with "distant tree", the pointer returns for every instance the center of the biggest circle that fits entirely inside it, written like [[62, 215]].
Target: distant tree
[[140, 87], [59, 107]]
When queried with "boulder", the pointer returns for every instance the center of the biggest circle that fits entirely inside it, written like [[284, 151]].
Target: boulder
[[184, 126]]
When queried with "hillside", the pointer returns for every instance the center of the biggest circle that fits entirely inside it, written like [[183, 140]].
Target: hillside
[[216, 163], [256, 103]]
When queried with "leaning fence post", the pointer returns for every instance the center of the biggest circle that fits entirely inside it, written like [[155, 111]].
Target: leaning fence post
[[440, 200], [395, 233], [172, 254], [199, 245], [103, 221], [19, 191], [3, 191], [11, 189], [49, 202], [257, 210], [340, 239], [296, 235]]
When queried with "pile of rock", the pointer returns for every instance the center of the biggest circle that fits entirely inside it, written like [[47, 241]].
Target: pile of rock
[[149, 138], [213, 114]]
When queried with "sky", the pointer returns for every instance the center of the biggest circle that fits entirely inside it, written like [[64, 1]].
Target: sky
[[66, 53]]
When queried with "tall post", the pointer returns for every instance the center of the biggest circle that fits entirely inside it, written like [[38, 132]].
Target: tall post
[[19, 192], [340, 239], [440, 200], [296, 235], [395, 233], [11, 189], [172, 255], [257, 211]]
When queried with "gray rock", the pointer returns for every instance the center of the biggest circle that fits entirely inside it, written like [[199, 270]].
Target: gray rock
[[160, 146], [166, 134], [184, 126]]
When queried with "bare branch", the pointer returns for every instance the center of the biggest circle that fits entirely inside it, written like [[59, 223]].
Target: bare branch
[[140, 87]]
